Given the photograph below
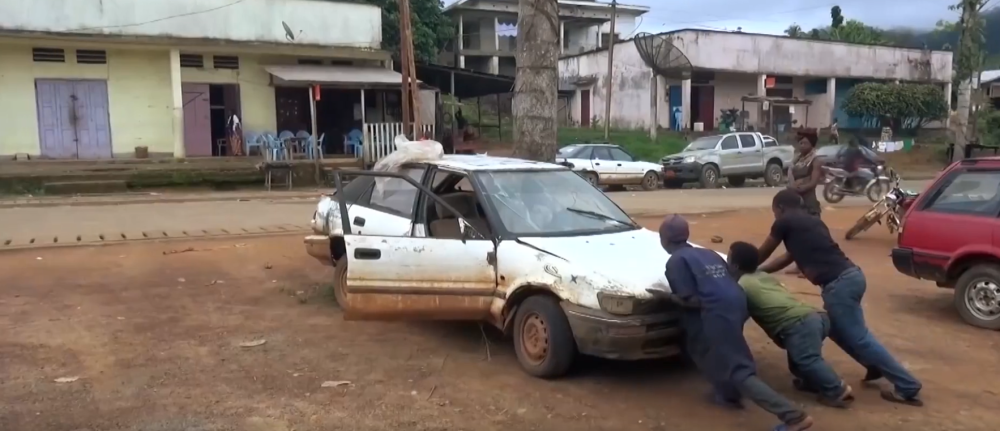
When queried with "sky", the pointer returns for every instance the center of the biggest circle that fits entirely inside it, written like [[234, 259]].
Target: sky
[[774, 16]]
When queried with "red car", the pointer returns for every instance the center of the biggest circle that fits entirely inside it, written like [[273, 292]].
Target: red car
[[951, 235]]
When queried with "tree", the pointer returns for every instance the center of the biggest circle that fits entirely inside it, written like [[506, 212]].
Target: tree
[[968, 63], [899, 106], [794, 30], [431, 29], [854, 31], [836, 17], [536, 83]]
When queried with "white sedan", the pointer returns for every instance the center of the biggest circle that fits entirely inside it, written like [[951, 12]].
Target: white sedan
[[528, 247], [609, 165]]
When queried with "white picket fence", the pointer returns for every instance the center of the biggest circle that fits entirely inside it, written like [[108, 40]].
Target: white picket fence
[[380, 139]]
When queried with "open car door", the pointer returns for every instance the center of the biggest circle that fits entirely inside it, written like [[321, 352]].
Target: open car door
[[403, 277]]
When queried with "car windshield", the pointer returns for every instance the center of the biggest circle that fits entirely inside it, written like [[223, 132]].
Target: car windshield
[[542, 203], [705, 143]]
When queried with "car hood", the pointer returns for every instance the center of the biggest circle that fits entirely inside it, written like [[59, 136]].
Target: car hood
[[634, 260], [682, 154]]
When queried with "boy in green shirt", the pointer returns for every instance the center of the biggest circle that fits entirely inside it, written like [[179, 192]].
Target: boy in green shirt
[[793, 325]]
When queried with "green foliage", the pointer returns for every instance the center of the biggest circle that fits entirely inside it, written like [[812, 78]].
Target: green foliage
[[795, 30], [636, 142], [836, 17], [431, 28], [988, 125], [900, 106]]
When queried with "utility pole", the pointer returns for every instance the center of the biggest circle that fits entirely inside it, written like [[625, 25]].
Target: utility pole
[[411, 116], [611, 68], [967, 70]]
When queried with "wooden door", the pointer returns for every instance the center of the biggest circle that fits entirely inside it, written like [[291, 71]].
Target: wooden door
[[93, 128], [73, 119], [706, 106], [197, 120], [585, 108]]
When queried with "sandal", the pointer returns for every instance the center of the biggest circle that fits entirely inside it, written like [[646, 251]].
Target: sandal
[[894, 397], [843, 401], [804, 424]]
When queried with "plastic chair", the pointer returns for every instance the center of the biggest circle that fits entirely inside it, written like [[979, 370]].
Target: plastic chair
[[275, 148], [315, 149], [251, 140], [355, 141]]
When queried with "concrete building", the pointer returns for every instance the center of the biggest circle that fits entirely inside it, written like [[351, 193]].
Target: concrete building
[[728, 66], [94, 79], [487, 31]]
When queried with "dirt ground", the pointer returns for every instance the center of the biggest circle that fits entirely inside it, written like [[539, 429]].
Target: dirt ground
[[154, 340]]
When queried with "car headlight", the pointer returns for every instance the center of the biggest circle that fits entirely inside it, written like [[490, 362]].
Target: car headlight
[[689, 159], [617, 304]]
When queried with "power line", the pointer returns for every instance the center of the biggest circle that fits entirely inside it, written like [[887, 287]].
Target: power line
[[157, 19]]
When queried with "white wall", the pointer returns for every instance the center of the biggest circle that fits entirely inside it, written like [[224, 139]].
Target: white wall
[[777, 55], [312, 22], [630, 102]]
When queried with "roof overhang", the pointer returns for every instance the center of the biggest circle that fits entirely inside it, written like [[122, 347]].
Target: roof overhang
[[335, 76]]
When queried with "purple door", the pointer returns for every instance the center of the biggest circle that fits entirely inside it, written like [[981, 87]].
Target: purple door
[[73, 120], [197, 120]]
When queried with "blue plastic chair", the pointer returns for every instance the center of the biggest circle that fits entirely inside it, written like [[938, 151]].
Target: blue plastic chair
[[275, 147], [250, 140], [355, 141], [311, 150]]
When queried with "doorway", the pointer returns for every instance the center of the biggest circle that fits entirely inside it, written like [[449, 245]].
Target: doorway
[[73, 119], [338, 112], [703, 106], [585, 108], [207, 109]]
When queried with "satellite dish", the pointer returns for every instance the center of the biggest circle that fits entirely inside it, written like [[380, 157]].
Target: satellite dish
[[662, 56], [288, 32]]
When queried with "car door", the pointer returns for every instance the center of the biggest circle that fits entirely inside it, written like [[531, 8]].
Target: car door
[[581, 159], [403, 277], [958, 216], [389, 212], [626, 168], [605, 166], [729, 154], [750, 154]]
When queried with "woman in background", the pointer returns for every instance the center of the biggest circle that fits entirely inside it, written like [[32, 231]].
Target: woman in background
[[806, 172]]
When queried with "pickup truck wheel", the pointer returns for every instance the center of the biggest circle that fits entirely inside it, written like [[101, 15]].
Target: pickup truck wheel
[[709, 177], [977, 296], [737, 181], [650, 181], [543, 340], [339, 281], [773, 174]]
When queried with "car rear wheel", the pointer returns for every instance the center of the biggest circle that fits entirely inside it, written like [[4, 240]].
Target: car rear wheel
[[650, 181], [977, 296], [543, 340]]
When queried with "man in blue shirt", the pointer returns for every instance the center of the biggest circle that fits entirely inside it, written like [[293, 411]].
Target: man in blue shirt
[[715, 312]]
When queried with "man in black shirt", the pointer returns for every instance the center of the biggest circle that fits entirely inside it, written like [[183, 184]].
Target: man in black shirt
[[813, 250]]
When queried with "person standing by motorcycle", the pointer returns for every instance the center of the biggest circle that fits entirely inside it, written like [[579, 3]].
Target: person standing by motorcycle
[[851, 159], [806, 172]]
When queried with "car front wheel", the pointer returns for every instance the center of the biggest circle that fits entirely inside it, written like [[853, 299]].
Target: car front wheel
[[543, 340], [977, 296], [339, 282]]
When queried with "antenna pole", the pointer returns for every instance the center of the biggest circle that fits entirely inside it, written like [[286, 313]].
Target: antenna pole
[[611, 57]]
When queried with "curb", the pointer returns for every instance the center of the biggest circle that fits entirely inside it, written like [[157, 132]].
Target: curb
[[142, 201], [49, 246]]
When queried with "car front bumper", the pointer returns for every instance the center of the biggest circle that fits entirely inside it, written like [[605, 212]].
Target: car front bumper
[[681, 171], [318, 246], [605, 335]]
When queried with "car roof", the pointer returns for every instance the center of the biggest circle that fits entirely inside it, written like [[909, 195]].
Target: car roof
[[591, 144], [469, 162]]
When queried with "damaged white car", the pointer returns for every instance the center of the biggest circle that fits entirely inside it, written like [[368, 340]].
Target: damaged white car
[[531, 248]]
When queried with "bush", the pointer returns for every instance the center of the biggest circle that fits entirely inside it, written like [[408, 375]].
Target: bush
[[898, 106]]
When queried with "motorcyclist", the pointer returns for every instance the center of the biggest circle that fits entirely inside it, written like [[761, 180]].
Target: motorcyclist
[[852, 158]]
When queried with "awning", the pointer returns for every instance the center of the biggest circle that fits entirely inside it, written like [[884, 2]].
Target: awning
[[468, 83], [342, 76]]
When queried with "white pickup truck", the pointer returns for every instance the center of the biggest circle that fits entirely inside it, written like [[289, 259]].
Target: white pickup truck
[[734, 156]]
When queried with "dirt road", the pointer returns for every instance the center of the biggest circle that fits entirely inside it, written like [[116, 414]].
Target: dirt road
[[154, 341]]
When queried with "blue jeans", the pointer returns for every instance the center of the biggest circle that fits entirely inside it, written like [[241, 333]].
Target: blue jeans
[[803, 342], [842, 301]]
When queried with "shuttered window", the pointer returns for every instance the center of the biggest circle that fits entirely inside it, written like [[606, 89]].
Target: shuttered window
[[91, 56], [48, 55]]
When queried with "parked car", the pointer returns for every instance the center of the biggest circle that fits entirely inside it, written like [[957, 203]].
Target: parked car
[[530, 248], [733, 156], [609, 165], [951, 235]]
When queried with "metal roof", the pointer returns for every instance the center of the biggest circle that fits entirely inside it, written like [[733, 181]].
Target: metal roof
[[355, 76]]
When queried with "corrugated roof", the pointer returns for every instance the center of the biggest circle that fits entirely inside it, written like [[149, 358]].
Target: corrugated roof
[[988, 76], [348, 75]]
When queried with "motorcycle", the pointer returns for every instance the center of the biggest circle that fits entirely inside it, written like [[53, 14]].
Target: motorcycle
[[891, 208], [867, 183]]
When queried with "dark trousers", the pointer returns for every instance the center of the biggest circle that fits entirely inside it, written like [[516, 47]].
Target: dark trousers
[[842, 301], [803, 342], [752, 387]]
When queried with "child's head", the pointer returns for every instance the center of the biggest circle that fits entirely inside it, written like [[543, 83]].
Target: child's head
[[743, 257]]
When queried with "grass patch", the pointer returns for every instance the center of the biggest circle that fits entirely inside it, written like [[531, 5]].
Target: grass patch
[[636, 142]]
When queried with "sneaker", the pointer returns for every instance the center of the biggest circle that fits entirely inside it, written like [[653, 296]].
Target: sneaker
[[800, 426]]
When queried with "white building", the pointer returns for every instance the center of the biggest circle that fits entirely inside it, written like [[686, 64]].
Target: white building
[[95, 79], [487, 31], [728, 66]]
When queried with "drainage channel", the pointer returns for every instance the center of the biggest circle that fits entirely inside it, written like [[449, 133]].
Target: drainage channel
[[33, 241]]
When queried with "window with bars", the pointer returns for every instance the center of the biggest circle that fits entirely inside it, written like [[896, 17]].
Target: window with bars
[[193, 61], [48, 55], [231, 62], [91, 56]]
